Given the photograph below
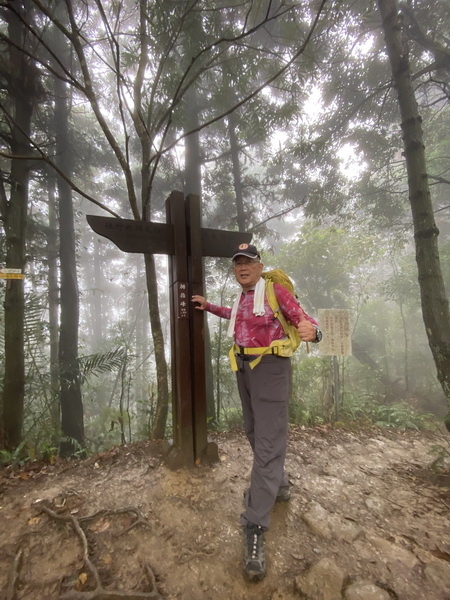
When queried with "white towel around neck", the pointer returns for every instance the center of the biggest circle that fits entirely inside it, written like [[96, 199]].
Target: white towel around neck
[[258, 305]]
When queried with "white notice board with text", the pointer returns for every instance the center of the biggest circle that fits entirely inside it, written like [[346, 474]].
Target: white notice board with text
[[335, 326]]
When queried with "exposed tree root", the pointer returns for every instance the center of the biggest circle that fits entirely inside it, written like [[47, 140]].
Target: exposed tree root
[[14, 574], [139, 519], [101, 593]]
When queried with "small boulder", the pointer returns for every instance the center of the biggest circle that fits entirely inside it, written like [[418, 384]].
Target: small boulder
[[323, 581], [363, 590]]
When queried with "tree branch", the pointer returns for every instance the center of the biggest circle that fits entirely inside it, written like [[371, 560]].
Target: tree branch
[[92, 97], [280, 214], [257, 90], [53, 165], [439, 179], [415, 32]]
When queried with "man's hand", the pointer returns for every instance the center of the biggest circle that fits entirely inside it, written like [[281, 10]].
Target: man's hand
[[201, 302], [307, 331]]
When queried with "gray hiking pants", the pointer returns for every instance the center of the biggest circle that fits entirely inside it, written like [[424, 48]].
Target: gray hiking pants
[[264, 393]]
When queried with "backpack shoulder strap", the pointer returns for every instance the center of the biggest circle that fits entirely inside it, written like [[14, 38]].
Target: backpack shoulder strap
[[274, 305], [271, 296]]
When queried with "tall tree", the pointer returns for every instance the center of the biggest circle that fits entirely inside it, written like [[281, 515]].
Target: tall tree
[[53, 306], [435, 307], [72, 424], [20, 74]]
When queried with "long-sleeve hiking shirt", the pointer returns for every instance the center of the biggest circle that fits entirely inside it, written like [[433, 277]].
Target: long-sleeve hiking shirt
[[253, 331]]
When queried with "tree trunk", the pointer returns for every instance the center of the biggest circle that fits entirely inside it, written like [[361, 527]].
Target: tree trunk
[[193, 185], [435, 307], [53, 306], [22, 94], [72, 426], [159, 423], [237, 180], [96, 306]]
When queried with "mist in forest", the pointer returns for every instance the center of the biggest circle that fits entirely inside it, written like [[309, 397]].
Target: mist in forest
[[286, 121]]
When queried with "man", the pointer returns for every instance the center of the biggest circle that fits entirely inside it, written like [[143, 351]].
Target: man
[[264, 390]]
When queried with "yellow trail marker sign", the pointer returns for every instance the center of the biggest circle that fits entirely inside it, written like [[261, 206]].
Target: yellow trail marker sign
[[11, 274]]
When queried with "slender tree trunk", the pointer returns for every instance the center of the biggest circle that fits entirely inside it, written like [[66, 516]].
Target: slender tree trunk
[[142, 123], [21, 93], [159, 422], [162, 402], [72, 425], [237, 180], [53, 308], [97, 298], [435, 307], [141, 392], [192, 160], [405, 346]]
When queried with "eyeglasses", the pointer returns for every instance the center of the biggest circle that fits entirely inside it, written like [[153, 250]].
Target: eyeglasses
[[242, 263]]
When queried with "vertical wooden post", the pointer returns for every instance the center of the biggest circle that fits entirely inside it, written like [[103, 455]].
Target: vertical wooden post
[[180, 331], [198, 368]]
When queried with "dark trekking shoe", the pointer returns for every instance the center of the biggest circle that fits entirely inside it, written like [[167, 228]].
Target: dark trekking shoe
[[284, 494], [254, 556]]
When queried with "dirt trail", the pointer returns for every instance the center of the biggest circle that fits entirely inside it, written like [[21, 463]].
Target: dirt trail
[[368, 519]]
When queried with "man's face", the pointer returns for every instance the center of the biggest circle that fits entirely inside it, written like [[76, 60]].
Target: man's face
[[247, 271]]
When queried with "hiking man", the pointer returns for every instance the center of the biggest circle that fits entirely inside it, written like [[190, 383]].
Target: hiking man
[[264, 387]]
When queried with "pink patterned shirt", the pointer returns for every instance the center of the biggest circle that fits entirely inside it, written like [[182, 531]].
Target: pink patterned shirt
[[252, 331]]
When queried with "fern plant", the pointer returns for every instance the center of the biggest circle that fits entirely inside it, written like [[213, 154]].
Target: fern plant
[[401, 416], [101, 362]]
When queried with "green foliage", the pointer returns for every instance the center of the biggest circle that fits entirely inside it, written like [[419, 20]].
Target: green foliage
[[441, 462], [231, 418], [329, 264], [400, 416], [16, 457], [102, 362], [309, 404], [73, 448], [312, 401]]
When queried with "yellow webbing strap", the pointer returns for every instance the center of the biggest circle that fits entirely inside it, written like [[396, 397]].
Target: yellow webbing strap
[[273, 302], [277, 347], [232, 357], [237, 349]]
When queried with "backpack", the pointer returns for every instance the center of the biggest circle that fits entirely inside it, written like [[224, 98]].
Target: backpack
[[293, 340], [279, 276]]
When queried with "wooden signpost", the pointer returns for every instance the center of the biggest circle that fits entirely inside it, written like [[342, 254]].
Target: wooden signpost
[[186, 243], [337, 341]]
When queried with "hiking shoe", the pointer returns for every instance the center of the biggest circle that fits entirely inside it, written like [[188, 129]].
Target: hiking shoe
[[284, 494], [254, 557]]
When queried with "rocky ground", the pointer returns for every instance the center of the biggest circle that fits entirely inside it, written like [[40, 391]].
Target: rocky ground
[[368, 520]]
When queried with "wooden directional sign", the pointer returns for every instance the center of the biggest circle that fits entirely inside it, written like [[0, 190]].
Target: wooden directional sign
[[158, 238], [186, 242], [135, 236]]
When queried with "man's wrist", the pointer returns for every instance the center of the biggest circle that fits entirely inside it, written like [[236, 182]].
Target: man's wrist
[[319, 335]]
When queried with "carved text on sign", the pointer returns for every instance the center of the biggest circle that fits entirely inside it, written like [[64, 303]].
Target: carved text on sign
[[183, 300]]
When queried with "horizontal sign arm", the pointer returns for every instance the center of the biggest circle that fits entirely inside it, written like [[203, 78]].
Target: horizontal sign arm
[[129, 235], [147, 237]]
